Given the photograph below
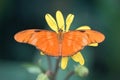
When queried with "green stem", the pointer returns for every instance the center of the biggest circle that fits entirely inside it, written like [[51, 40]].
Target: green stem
[[69, 75], [56, 68], [49, 63]]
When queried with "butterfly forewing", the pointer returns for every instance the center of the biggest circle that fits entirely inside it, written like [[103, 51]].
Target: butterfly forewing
[[44, 40], [94, 36]]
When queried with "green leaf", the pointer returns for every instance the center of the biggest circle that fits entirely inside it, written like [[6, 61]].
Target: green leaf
[[42, 77], [31, 68]]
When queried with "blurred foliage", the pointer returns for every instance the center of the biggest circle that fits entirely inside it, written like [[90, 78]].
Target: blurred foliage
[[81, 71], [102, 15], [42, 77]]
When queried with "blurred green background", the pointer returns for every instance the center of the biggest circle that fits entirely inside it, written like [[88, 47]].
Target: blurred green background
[[103, 61]]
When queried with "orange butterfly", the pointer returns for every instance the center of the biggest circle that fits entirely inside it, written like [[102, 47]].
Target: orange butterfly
[[60, 42]]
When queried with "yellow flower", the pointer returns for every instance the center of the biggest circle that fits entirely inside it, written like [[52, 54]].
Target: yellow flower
[[59, 23]]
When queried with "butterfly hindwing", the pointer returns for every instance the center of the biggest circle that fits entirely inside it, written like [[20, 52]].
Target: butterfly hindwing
[[73, 41]]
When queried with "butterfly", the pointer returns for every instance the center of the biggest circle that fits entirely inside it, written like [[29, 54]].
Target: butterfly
[[60, 43]]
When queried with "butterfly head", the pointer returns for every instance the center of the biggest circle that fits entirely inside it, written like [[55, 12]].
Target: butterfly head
[[60, 30]]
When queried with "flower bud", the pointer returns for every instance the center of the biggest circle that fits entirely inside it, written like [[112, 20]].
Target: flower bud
[[81, 70]]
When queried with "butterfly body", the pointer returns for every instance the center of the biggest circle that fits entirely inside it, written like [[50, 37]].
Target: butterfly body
[[61, 43]]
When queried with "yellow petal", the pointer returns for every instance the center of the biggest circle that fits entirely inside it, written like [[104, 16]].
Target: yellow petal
[[78, 58], [69, 20], [42, 53], [64, 62], [83, 28], [51, 22], [93, 44], [60, 20]]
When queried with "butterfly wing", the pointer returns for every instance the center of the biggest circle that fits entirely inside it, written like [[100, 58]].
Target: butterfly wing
[[94, 36], [44, 40], [74, 41]]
